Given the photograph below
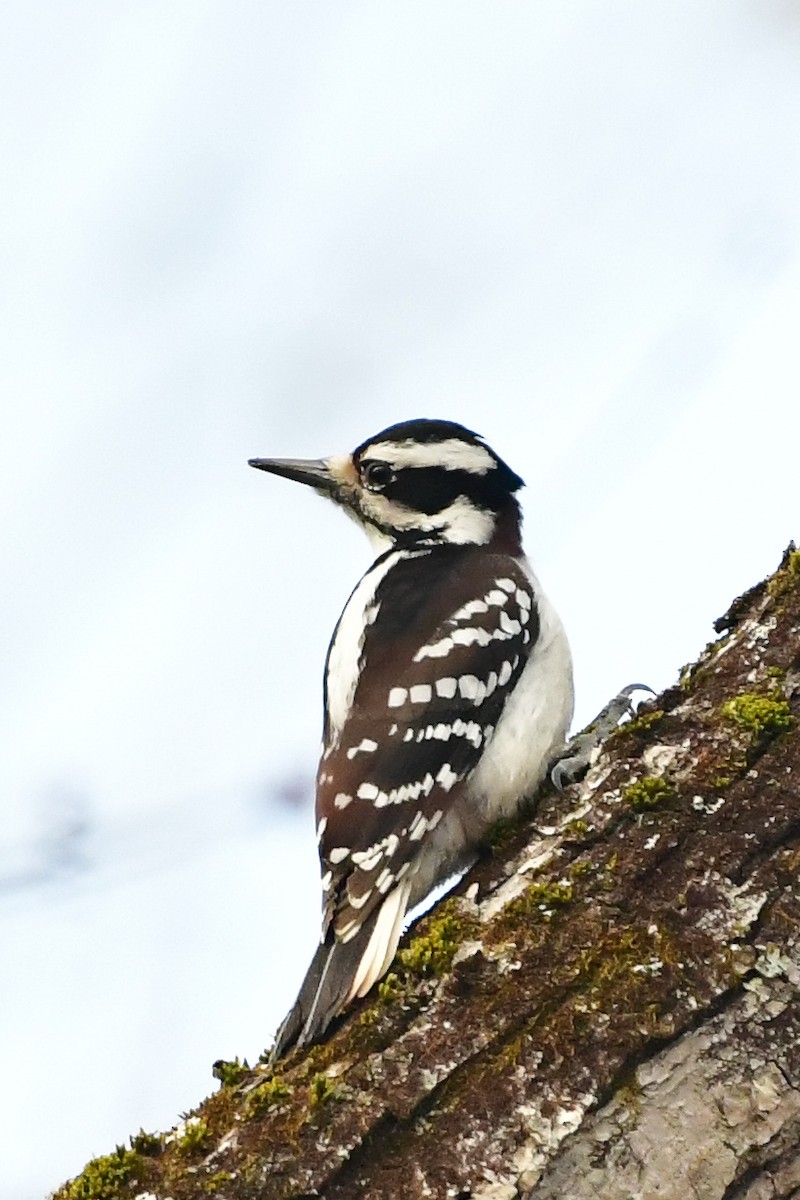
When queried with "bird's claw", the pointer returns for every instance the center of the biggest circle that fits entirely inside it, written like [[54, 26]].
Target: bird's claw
[[575, 758]]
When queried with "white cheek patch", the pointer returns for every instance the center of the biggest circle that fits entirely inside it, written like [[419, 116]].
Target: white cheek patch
[[460, 523]]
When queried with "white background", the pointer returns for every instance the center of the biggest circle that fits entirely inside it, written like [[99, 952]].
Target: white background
[[237, 229]]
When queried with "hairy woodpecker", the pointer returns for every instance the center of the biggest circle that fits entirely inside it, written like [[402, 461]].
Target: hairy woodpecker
[[447, 692]]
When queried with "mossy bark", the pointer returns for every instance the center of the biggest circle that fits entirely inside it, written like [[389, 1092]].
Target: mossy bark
[[607, 1007]]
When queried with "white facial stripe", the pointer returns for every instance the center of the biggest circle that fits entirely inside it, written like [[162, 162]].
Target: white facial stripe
[[462, 522], [452, 454]]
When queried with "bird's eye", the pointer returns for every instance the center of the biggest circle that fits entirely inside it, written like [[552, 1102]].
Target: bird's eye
[[376, 475]]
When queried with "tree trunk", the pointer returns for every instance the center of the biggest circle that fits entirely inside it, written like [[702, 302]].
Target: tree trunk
[[605, 1008]]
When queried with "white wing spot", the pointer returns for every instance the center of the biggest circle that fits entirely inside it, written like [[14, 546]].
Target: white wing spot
[[496, 598], [511, 627], [473, 609], [326, 880], [323, 825], [466, 637], [505, 674], [507, 585], [446, 688], [367, 860], [420, 693], [446, 777], [397, 697], [384, 880], [435, 819], [471, 730], [365, 746], [337, 854], [408, 736], [468, 686], [417, 828], [438, 649], [524, 599], [342, 799], [368, 791]]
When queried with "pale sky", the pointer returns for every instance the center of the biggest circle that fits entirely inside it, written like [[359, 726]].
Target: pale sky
[[244, 229]]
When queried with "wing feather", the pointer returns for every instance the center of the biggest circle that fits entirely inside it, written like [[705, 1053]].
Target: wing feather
[[436, 671]]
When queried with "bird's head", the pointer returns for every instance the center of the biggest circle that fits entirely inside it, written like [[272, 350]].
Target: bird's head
[[419, 482]]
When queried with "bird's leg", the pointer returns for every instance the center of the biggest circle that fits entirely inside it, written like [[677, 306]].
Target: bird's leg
[[574, 759]]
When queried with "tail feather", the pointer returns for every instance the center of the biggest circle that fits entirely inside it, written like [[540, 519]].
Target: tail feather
[[382, 945], [341, 971]]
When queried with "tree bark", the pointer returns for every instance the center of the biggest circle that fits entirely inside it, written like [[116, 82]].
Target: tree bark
[[605, 1008]]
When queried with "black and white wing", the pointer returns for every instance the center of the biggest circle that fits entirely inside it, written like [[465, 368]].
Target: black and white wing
[[451, 631]]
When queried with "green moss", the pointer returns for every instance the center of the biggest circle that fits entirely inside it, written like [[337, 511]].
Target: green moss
[[647, 793], [389, 989], [787, 576], [759, 715], [321, 1090], [639, 725], [230, 1073], [582, 867], [216, 1181], [433, 951], [104, 1178], [577, 828], [193, 1139], [539, 899], [148, 1144], [267, 1095]]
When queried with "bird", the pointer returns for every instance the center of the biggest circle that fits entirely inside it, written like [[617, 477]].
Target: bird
[[447, 692]]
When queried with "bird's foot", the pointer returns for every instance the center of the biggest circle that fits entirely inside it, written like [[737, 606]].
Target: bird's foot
[[575, 758]]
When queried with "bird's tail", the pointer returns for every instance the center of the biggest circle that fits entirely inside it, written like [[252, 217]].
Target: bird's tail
[[342, 971]]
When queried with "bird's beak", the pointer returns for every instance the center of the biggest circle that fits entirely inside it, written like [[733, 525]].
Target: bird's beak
[[315, 472]]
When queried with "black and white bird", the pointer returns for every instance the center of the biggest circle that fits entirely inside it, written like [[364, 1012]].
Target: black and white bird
[[447, 691]]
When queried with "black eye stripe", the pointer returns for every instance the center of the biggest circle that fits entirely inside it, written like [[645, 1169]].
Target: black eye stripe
[[431, 489]]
